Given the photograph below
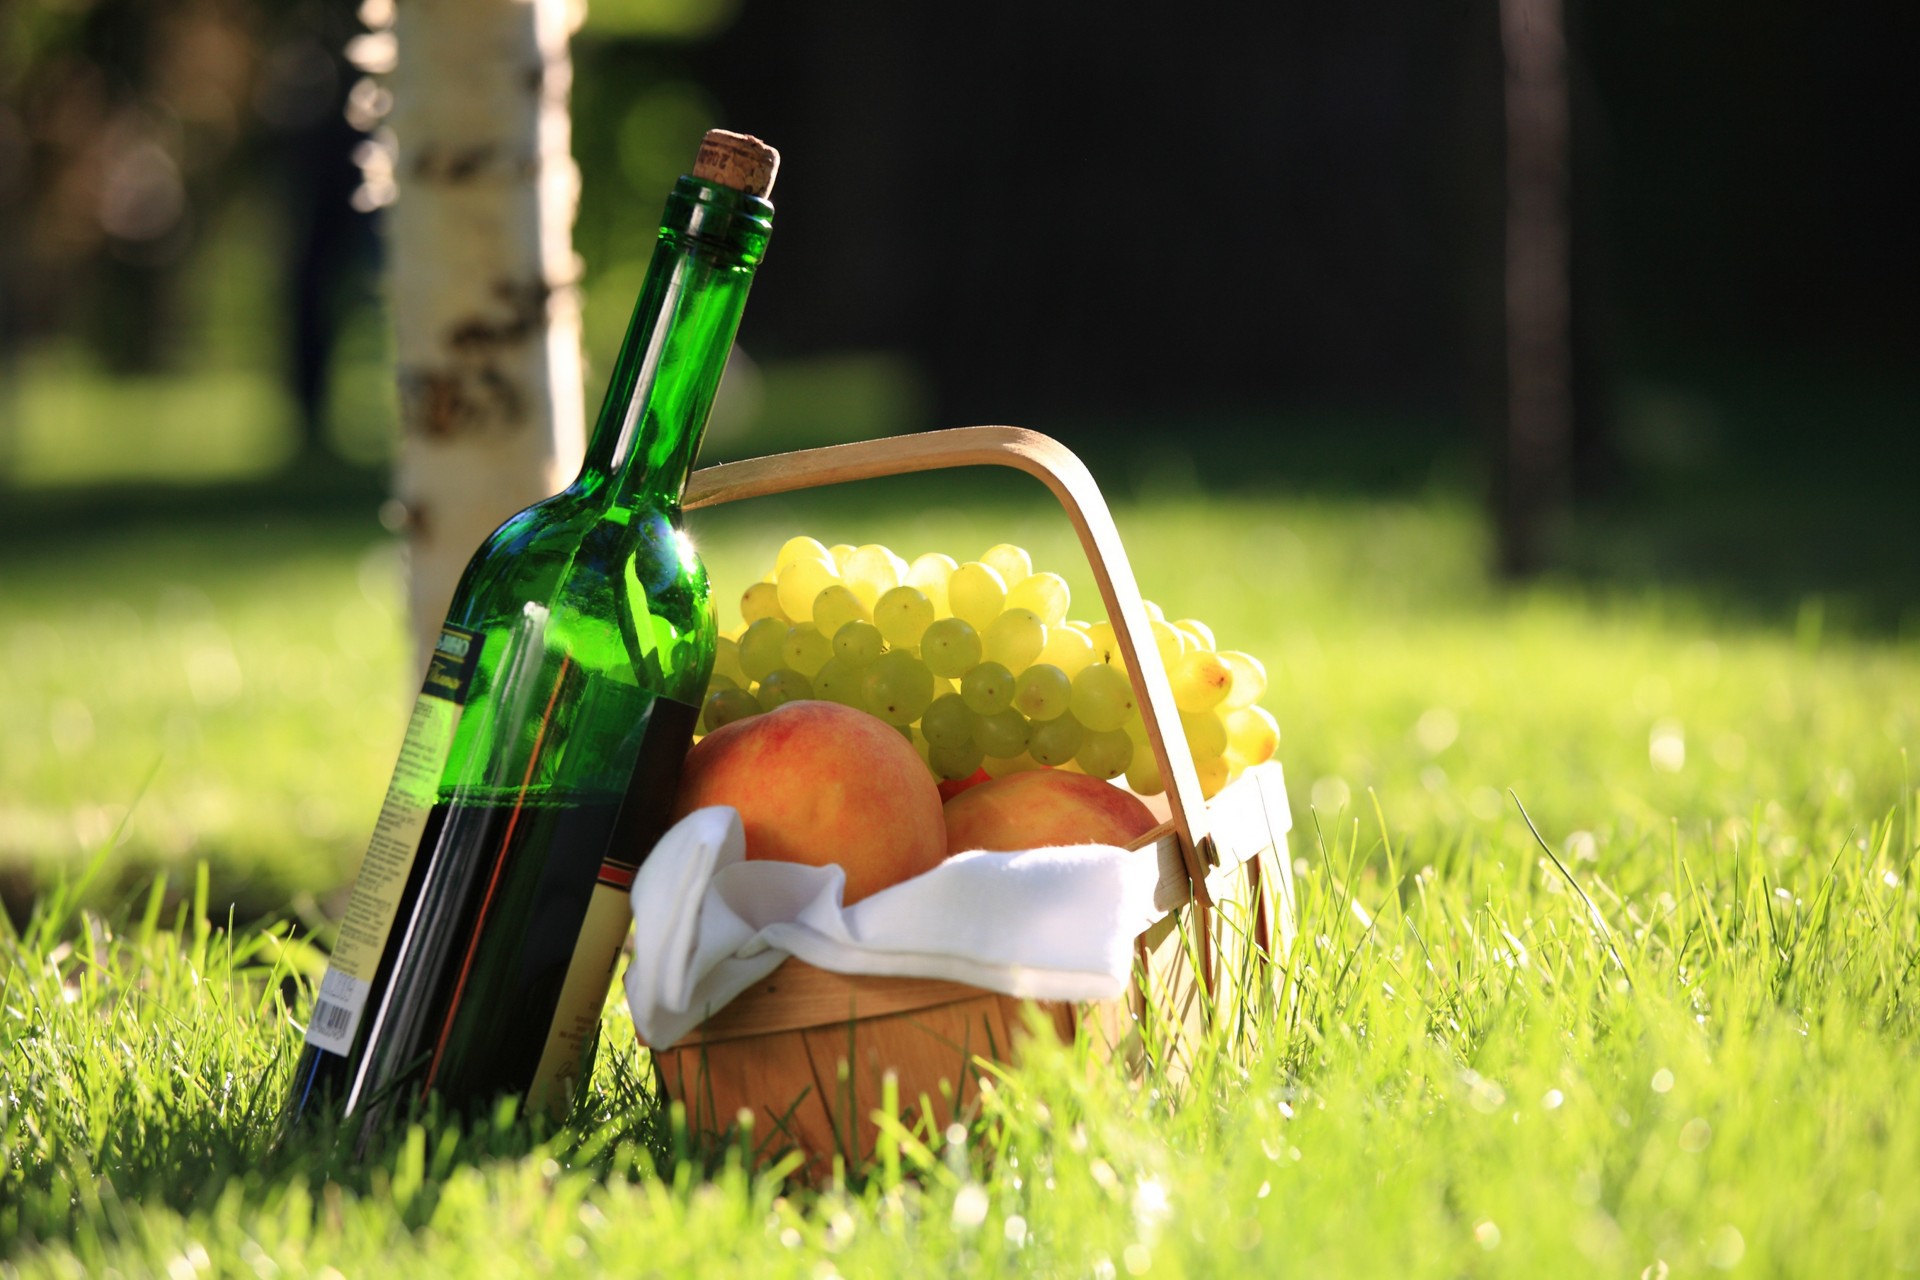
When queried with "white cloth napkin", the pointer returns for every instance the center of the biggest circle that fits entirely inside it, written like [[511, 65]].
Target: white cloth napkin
[[1049, 924]]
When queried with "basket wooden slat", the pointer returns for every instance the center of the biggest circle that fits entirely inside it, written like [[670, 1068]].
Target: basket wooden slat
[[805, 1052]]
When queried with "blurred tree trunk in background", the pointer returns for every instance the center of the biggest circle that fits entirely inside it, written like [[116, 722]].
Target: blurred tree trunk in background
[[482, 271], [1535, 478]]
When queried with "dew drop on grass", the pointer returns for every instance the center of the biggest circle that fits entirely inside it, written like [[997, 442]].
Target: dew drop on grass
[[1487, 1233], [1553, 1099], [970, 1206], [1662, 1081]]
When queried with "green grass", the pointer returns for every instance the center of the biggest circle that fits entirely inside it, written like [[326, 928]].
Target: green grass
[[1473, 1071]]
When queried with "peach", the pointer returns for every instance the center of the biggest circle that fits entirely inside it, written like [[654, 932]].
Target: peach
[[819, 783], [1041, 807]]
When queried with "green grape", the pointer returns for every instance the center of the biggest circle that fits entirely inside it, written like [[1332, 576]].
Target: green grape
[[1170, 640], [724, 706], [950, 647], [1136, 728], [858, 643], [1106, 645], [1001, 766], [987, 689], [1013, 563], [1067, 649], [1106, 754], [839, 681], [1102, 697], [841, 553], [1046, 594], [1214, 774], [726, 660], [801, 548], [761, 646], [1200, 680], [903, 615], [806, 650], [872, 571], [835, 607], [801, 582], [781, 686], [954, 763], [1206, 734], [947, 722], [1015, 639], [1054, 742], [1143, 775], [897, 687], [976, 593], [930, 573], [1199, 631], [718, 681], [761, 600], [1249, 679], [1042, 693], [1154, 612], [1252, 734], [1004, 733]]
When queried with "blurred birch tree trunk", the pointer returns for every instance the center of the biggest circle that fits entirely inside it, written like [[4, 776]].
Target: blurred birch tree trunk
[[475, 159]]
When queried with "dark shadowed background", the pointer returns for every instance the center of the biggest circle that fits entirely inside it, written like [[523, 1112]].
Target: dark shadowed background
[[1257, 251]]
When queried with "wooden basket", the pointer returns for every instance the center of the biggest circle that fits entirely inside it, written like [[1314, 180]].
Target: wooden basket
[[805, 1052]]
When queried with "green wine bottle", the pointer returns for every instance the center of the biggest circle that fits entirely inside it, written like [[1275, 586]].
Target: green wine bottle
[[544, 750]]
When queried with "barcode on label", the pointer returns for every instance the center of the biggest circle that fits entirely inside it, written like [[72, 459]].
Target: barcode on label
[[336, 1012], [333, 1019]]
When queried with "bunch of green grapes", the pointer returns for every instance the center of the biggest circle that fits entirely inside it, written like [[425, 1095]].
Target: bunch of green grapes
[[979, 666]]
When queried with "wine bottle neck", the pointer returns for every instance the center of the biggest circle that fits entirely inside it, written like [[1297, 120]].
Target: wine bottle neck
[[655, 413]]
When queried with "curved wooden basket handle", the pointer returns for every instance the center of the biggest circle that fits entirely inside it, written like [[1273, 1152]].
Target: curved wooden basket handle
[[1055, 466]]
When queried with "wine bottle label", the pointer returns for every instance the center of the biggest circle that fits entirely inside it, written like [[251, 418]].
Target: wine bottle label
[[378, 888]]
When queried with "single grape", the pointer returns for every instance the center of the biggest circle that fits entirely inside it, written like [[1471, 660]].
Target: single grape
[[1206, 734], [903, 615], [1154, 611], [977, 593], [801, 548], [1214, 775], [839, 681], [1200, 680], [1046, 594], [801, 582], [930, 573], [841, 553], [1102, 697], [1067, 649], [1106, 754], [1170, 640], [1252, 734], [1004, 733], [836, 606], [950, 647], [1106, 645], [1042, 693], [1136, 728], [953, 763], [781, 686], [1013, 563], [1143, 775], [872, 571], [1249, 679], [761, 600], [947, 721], [718, 681], [726, 660], [897, 687], [724, 706], [761, 646], [806, 650], [987, 689], [1015, 639], [858, 643], [1054, 742], [1199, 631]]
